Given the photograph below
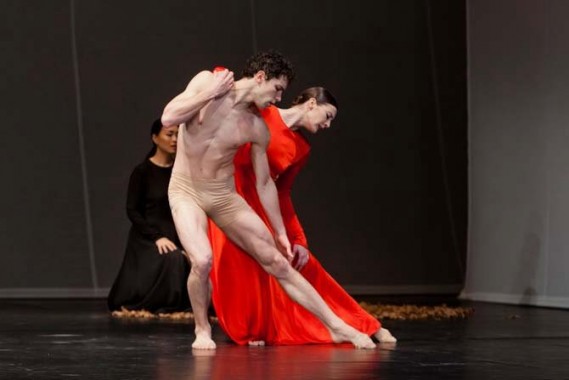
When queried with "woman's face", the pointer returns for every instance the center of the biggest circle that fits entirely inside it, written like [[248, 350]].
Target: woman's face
[[319, 117], [166, 140]]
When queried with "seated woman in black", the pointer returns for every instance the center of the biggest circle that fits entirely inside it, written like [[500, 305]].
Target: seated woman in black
[[154, 271]]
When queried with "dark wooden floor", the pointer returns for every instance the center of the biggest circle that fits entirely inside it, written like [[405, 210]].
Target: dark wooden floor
[[60, 339]]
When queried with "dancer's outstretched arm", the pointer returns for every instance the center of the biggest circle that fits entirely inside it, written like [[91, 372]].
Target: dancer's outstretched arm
[[290, 218], [267, 190]]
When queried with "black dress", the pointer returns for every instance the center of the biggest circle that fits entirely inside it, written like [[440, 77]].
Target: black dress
[[148, 280]]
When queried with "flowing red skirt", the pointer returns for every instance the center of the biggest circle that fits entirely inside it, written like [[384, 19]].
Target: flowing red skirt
[[252, 306]]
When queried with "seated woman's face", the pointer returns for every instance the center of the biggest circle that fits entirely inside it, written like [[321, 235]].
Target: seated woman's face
[[167, 139]]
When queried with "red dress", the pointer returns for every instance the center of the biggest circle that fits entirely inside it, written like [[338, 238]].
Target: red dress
[[249, 303]]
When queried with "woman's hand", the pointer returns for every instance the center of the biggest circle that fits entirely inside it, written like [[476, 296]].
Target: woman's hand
[[165, 245], [301, 255]]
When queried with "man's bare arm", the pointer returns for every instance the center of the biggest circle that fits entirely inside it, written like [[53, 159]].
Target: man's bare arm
[[267, 191], [203, 88]]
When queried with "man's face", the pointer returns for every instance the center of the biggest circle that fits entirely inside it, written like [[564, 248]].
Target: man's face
[[270, 91]]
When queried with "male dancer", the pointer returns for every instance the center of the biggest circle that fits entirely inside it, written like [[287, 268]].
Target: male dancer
[[217, 115]]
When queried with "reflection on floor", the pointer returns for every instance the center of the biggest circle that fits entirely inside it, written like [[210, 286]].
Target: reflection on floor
[[55, 339]]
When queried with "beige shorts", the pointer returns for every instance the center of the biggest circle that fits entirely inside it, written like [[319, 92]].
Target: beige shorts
[[216, 197]]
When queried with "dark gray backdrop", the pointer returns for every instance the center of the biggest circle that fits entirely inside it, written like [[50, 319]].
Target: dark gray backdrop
[[383, 199]]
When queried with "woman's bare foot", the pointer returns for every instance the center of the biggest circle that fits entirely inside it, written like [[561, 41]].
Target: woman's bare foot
[[256, 343], [203, 341], [384, 336], [349, 334]]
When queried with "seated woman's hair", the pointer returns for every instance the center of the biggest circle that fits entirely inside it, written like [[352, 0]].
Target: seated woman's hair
[[154, 130]]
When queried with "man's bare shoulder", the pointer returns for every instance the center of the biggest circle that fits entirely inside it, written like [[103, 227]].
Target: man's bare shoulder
[[260, 130]]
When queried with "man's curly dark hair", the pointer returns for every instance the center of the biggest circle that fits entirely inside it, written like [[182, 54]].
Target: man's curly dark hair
[[273, 63]]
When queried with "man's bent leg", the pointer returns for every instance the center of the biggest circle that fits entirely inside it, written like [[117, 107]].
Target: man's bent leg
[[191, 224], [249, 232]]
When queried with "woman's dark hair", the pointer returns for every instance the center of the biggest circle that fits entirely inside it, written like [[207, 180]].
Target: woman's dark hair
[[273, 63], [319, 93], [154, 131]]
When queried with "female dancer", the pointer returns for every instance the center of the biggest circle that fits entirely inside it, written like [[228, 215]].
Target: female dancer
[[251, 306]]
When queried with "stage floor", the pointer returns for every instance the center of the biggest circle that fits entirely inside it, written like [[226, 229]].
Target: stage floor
[[60, 339]]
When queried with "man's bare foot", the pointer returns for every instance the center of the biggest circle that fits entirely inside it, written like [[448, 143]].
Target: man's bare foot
[[384, 336], [256, 343], [203, 341], [203, 353], [349, 334]]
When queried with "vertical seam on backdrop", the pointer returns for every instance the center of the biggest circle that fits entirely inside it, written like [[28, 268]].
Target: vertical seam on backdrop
[[468, 144], [80, 130], [441, 138], [547, 226], [253, 26]]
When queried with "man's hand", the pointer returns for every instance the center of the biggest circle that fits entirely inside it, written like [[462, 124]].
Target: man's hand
[[165, 245], [283, 245], [221, 83], [301, 256]]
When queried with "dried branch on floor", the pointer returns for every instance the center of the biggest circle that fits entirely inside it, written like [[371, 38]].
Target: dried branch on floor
[[414, 312]]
